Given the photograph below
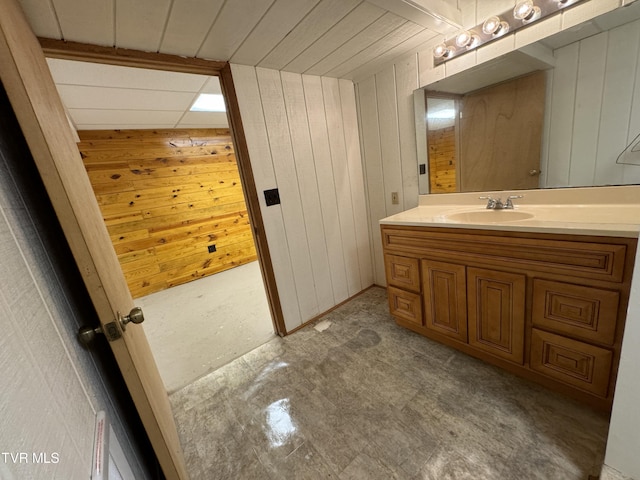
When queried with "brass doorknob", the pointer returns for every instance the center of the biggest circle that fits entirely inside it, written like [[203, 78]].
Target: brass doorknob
[[534, 172]]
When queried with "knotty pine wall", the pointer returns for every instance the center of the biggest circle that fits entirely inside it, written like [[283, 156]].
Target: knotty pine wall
[[166, 196], [442, 160], [302, 135]]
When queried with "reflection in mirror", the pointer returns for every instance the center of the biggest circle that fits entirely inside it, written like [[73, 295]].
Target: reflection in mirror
[[442, 143], [590, 113], [497, 139]]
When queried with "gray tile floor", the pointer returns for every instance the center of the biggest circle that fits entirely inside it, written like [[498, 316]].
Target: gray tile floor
[[366, 399]]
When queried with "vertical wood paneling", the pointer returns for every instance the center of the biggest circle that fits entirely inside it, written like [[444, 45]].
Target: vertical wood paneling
[[276, 120], [307, 125], [389, 138], [354, 160], [406, 83], [562, 110], [372, 154], [253, 120], [335, 128], [309, 194], [621, 57], [632, 173], [588, 104], [326, 184]]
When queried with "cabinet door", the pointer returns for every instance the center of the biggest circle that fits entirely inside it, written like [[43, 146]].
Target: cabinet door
[[496, 312], [445, 298]]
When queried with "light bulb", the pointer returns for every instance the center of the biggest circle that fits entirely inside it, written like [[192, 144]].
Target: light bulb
[[443, 51], [466, 39], [494, 26], [526, 11]]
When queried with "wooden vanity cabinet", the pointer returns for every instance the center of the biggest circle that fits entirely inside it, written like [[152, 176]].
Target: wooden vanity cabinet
[[549, 307]]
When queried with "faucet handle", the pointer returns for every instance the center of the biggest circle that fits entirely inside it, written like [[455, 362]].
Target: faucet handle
[[491, 202], [509, 203]]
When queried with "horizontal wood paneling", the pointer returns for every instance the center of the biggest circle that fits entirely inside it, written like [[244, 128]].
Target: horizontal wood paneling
[[166, 196]]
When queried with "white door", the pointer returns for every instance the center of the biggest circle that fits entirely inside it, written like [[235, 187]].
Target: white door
[[26, 78]]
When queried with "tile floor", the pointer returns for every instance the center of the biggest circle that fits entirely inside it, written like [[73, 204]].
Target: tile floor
[[366, 399]]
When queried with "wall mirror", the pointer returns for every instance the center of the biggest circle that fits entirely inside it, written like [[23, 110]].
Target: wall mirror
[[558, 113]]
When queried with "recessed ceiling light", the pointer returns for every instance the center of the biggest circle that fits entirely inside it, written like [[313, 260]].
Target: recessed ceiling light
[[209, 102]]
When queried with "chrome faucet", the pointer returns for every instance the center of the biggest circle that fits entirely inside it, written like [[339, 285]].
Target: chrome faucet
[[497, 204]]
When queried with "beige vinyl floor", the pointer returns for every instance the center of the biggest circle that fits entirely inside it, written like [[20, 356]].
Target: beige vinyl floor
[[355, 396], [197, 327]]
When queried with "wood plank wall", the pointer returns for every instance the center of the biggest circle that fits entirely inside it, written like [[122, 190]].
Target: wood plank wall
[[167, 196], [442, 160], [302, 135], [594, 110], [388, 137]]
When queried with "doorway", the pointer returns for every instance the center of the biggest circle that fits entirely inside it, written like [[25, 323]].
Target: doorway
[[201, 318]]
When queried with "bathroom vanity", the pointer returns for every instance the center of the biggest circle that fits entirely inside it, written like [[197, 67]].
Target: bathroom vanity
[[541, 290]]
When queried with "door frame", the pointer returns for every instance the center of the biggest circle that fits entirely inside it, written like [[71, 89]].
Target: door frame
[[158, 61]]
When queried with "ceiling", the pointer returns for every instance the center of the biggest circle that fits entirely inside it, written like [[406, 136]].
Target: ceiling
[[337, 38], [106, 97]]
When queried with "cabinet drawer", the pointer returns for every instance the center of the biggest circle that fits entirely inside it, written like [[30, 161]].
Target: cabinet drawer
[[403, 272], [579, 364], [581, 312], [405, 305]]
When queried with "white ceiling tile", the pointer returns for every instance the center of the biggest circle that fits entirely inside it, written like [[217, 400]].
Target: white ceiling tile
[[281, 18], [212, 86], [204, 119], [188, 25], [141, 118], [89, 21], [140, 23], [96, 74], [357, 20], [234, 23], [75, 96], [42, 18]]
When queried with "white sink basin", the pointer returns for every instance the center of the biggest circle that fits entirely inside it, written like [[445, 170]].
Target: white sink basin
[[489, 216]]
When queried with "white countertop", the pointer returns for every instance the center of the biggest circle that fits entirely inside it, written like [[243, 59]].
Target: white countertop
[[606, 211]]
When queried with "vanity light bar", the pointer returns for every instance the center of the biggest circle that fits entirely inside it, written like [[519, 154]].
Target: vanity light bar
[[523, 14]]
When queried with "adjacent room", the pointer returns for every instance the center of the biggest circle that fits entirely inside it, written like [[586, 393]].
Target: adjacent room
[[158, 151]]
